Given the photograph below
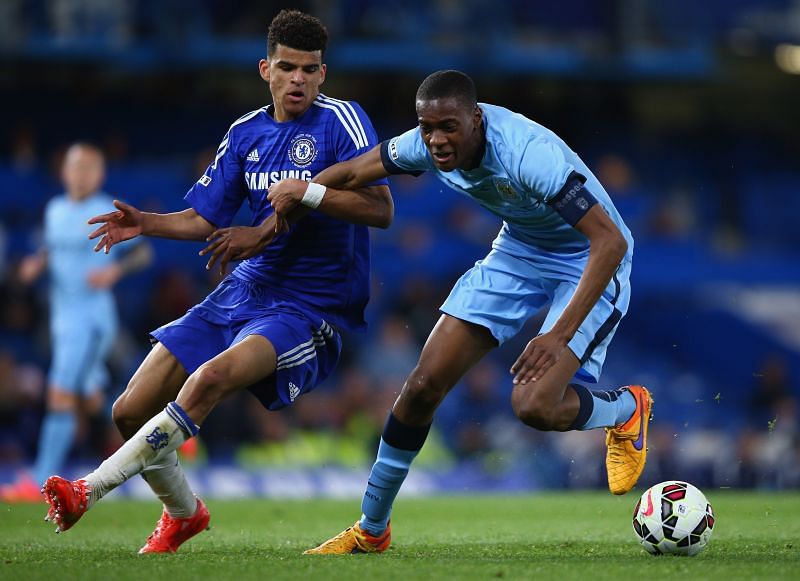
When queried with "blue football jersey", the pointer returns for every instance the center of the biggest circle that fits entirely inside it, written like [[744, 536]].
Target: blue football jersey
[[528, 177], [322, 263]]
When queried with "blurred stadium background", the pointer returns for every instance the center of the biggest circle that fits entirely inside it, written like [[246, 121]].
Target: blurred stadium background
[[687, 112]]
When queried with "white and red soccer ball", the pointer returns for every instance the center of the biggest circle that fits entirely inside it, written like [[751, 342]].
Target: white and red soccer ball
[[673, 518]]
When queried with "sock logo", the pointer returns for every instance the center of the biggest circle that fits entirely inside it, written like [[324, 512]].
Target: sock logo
[[371, 496], [157, 439]]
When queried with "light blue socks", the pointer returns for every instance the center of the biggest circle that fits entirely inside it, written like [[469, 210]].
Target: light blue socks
[[55, 442], [601, 409], [399, 445]]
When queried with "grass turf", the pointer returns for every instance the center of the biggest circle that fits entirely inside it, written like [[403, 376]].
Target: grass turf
[[545, 536]]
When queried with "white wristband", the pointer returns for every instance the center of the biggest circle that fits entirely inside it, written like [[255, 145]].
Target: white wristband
[[314, 194]]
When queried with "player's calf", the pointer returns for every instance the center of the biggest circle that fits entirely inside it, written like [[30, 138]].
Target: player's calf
[[535, 409]]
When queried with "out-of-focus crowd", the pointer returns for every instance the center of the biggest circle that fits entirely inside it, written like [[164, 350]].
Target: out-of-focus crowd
[[436, 236]]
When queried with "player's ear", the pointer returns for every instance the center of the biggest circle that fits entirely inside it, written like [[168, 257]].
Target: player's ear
[[263, 69], [323, 69], [477, 116]]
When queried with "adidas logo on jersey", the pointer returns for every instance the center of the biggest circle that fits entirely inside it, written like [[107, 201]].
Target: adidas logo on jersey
[[253, 155], [294, 391]]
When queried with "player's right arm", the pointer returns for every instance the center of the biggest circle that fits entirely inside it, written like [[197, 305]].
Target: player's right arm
[[32, 267], [128, 222], [353, 173], [345, 195], [349, 201]]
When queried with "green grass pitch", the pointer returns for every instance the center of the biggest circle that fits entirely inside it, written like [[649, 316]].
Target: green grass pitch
[[561, 536]]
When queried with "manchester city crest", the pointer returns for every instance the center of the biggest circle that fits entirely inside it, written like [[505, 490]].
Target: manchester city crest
[[303, 150], [506, 190]]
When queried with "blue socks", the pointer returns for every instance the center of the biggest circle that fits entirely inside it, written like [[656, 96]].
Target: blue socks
[[399, 445], [602, 408], [55, 441]]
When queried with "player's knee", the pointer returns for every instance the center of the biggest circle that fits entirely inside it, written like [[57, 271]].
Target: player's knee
[[125, 418], [533, 410], [424, 391], [209, 377], [208, 383], [59, 400]]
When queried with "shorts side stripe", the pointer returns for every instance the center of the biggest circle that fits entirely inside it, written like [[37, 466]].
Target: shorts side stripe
[[602, 333], [300, 354], [292, 352], [617, 288], [308, 357]]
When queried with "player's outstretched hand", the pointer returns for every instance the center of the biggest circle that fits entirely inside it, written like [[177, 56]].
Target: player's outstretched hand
[[32, 267], [238, 243], [104, 277], [539, 355], [285, 196], [123, 224]]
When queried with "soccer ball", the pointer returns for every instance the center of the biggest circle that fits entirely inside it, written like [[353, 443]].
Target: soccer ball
[[673, 518]]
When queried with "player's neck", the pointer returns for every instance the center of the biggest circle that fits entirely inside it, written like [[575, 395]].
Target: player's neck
[[477, 158], [282, 116], [79, 196]]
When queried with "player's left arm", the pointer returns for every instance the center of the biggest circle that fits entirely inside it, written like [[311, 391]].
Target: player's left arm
[[138, 258], [607, 248]]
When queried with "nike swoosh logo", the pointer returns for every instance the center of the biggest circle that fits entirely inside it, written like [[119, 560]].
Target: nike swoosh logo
[[638, 442], [649, 510]]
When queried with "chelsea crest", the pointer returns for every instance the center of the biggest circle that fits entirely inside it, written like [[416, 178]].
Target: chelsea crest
[[303, 150]]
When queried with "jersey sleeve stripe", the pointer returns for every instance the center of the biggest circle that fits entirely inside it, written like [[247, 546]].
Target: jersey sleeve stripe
[[388, 162], [221, 150], [341, 119], [351, 115], [223, 147], [358, 123]]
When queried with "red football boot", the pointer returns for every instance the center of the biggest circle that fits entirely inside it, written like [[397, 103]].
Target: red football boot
[[68, 500], [171, 532]]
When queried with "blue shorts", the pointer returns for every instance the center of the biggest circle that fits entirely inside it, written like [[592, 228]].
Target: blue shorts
[[501, 292], [307, 347], [80, 350]]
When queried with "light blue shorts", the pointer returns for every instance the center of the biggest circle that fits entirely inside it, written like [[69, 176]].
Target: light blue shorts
[[501, 292], [308, 348], [79, 355]]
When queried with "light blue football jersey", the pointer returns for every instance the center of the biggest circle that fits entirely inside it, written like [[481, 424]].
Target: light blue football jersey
[[71, 257], [525, 171]]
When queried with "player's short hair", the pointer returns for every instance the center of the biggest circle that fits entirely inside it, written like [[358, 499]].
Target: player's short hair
[[297, 30], [445, 84]]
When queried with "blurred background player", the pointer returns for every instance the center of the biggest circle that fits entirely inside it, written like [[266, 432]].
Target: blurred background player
[[562, 243], [83, 313], [272, 325]]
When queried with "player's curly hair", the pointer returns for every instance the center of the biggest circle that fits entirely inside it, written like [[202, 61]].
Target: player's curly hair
[[450, 83], [297, 30]]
